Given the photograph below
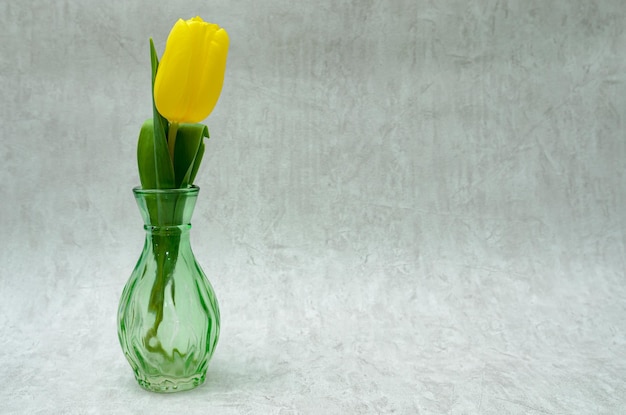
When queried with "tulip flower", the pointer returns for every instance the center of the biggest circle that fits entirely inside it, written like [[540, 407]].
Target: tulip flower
[[191, 72], [186, 85]]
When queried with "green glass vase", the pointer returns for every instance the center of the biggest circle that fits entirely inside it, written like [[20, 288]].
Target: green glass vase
[[168, 317]]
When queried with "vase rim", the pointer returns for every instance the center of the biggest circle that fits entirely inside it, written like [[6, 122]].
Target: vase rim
[[138, 190]]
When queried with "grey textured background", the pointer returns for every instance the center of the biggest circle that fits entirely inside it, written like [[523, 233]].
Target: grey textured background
[[409, 207]]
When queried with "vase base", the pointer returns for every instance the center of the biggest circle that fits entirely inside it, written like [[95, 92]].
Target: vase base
[[163, 384]]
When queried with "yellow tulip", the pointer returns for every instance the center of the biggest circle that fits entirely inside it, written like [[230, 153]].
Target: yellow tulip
[[191, 72]]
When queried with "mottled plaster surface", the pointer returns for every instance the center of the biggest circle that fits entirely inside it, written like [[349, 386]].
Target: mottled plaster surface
[[408, 207]]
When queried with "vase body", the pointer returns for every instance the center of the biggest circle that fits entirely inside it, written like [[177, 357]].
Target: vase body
[[168, 316]]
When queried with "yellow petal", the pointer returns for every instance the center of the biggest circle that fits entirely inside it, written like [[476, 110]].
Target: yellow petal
[[191, 73]]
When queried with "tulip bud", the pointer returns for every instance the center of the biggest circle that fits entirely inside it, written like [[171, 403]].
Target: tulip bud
[[191, 72]]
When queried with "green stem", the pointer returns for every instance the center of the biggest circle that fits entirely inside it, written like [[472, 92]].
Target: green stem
[[165, 238], [171, 138], [165, 249]]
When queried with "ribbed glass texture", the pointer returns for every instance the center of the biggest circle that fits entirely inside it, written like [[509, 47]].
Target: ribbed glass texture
[[168, 316]]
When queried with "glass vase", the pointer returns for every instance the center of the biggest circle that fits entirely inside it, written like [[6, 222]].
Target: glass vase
[[168, 317]]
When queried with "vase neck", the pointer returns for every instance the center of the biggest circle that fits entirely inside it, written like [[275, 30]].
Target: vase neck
[[167, 210], [179, 230]]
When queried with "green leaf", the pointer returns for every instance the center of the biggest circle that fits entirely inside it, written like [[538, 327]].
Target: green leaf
[[154, 172], [188, 152], [164, 169], [197, 161]]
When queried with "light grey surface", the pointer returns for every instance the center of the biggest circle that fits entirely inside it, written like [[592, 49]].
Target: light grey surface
[[408, 207]]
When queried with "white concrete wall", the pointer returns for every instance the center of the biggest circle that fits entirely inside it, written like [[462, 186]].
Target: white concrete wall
[[407, 206]]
